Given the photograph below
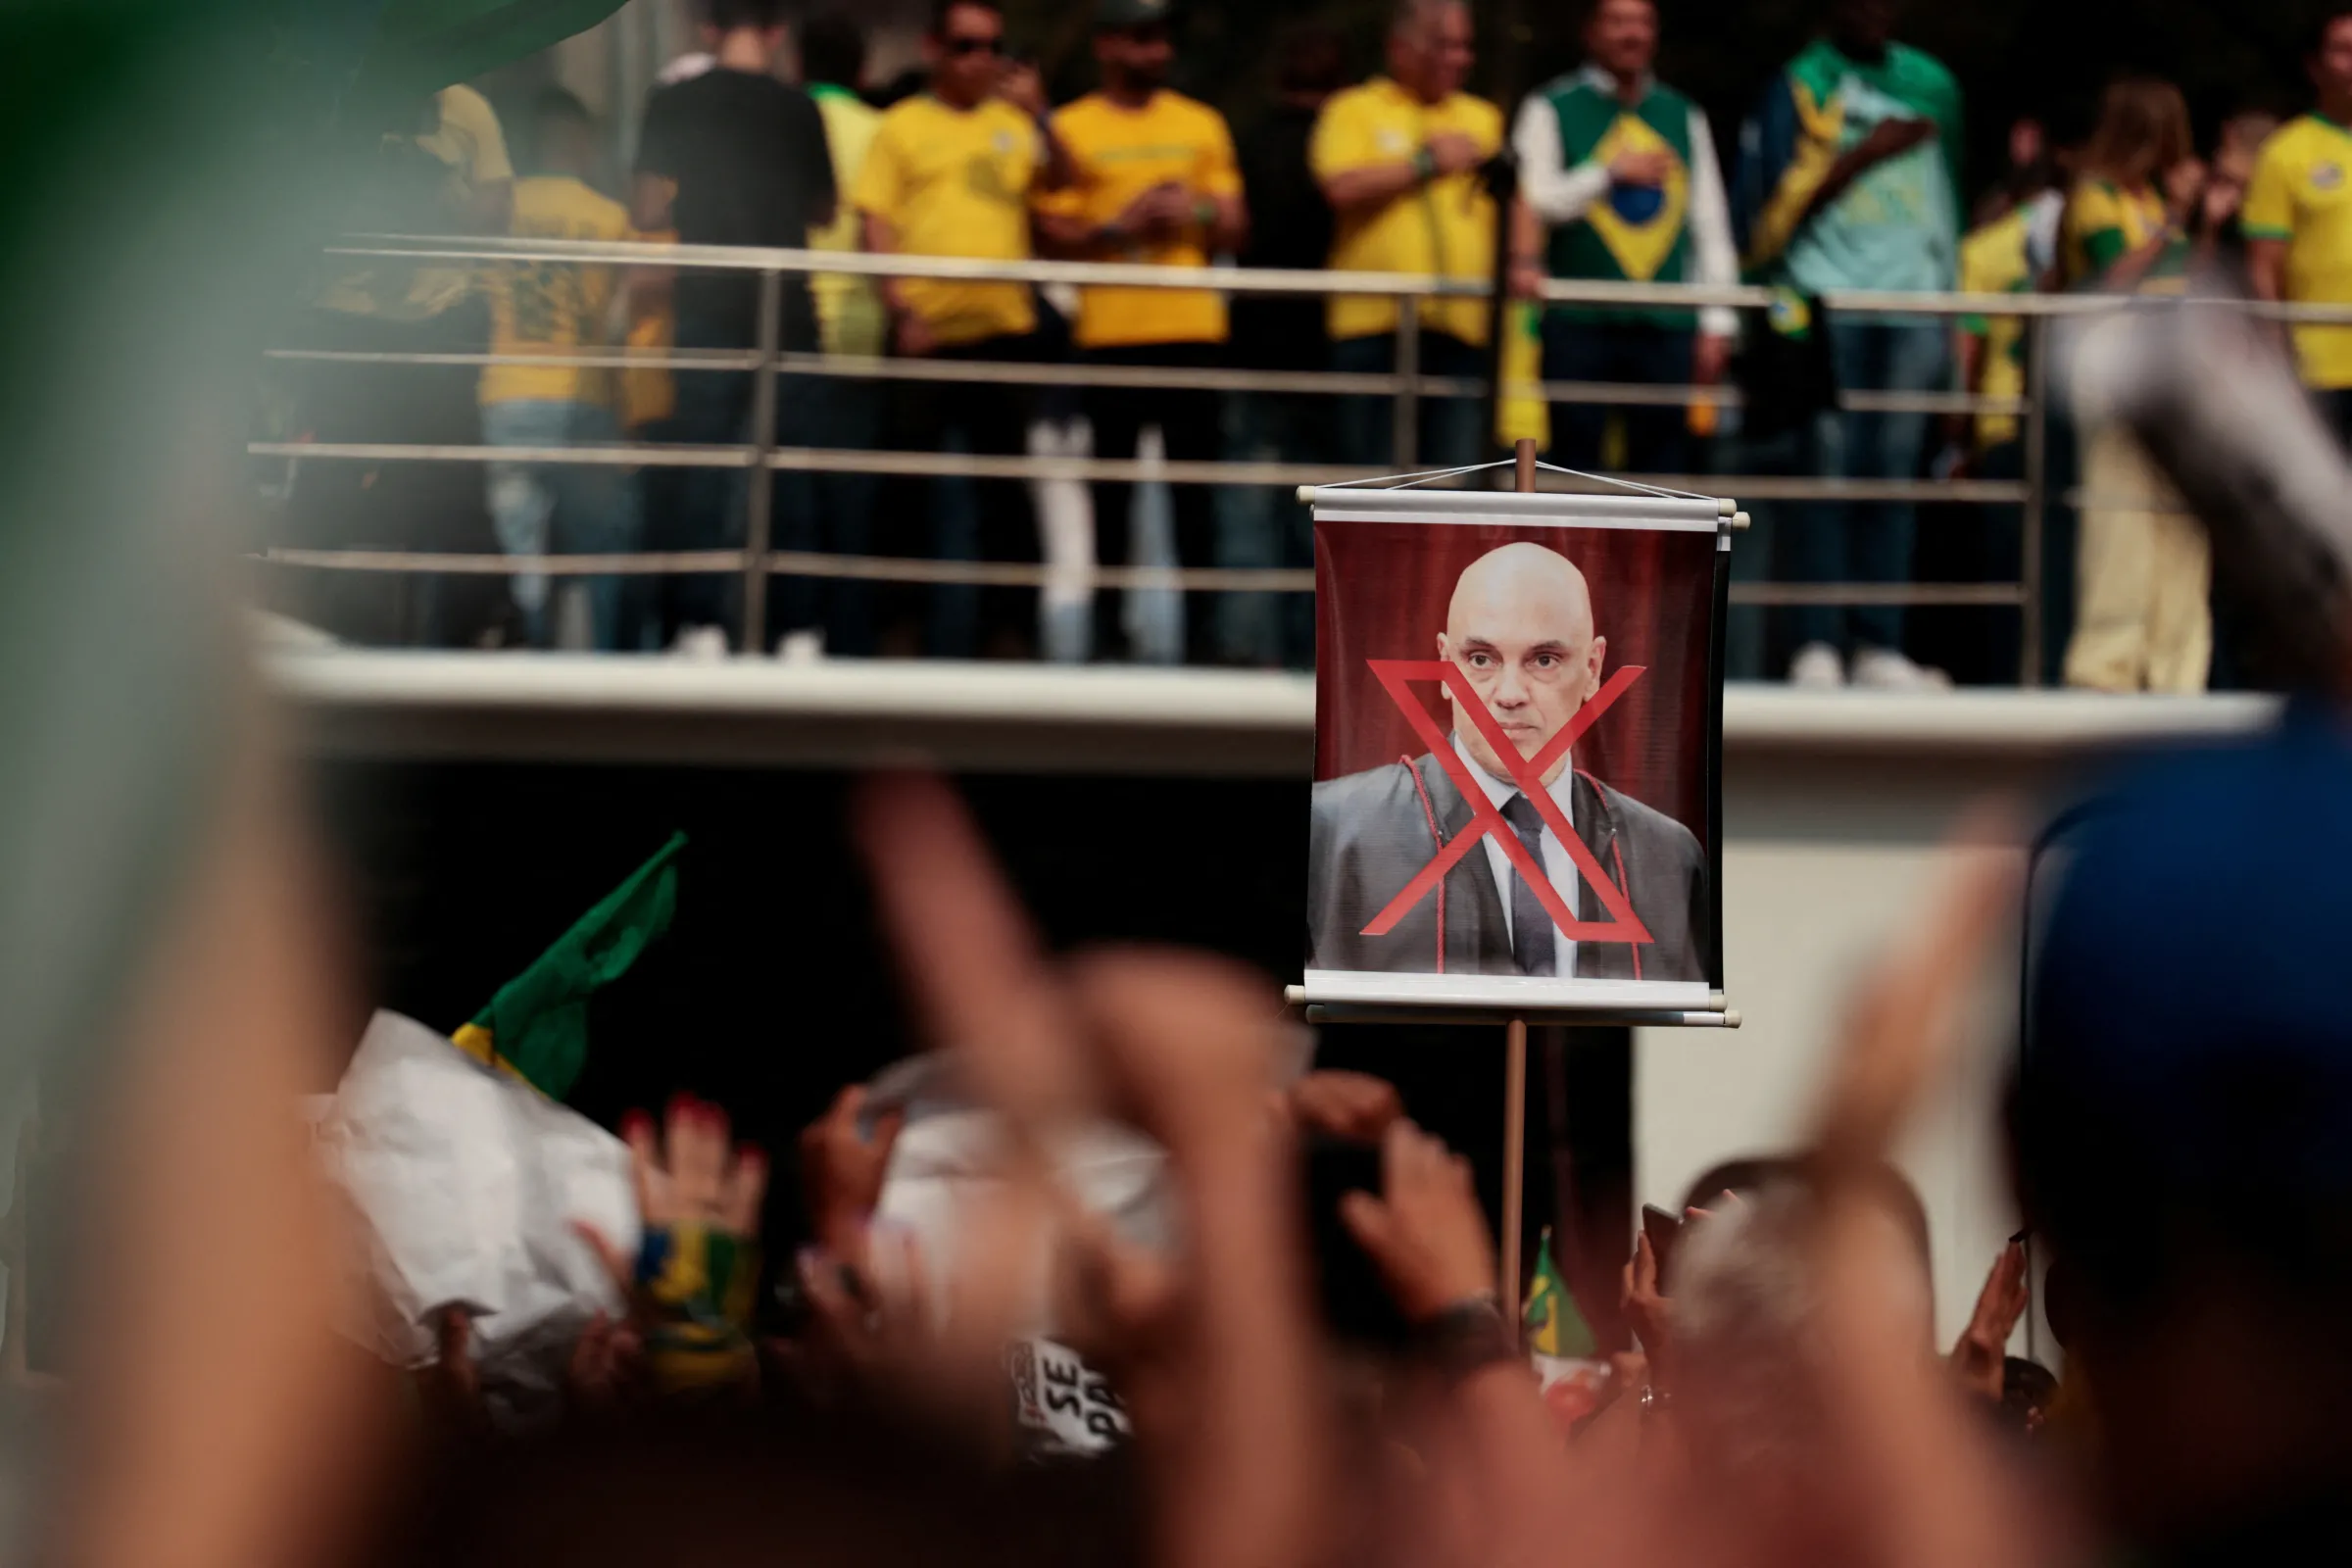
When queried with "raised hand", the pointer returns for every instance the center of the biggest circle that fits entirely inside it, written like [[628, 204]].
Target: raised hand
[[1184, 1046], [1646, 1308], [1983, 1352], [604, 1362], [843, 1167], [1425, 1232], [1354, 1107], [692, 1283], [450, 1389]]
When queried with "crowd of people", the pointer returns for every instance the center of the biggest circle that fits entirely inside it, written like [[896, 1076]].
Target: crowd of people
[[1047, 1356], [1845, 176], [181, 972]]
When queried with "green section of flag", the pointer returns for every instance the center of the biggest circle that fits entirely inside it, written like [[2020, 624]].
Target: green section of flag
[[537, 1026], [1554, 1325]]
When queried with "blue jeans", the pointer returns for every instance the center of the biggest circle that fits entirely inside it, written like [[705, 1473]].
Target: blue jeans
[[565, 509], [1447, 436], [714, 408], [1868, 540], [1657, 439], [1260, 526], [848, 415], [965, 520]]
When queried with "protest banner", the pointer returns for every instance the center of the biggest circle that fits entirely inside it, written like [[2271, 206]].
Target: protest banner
[[1517, 740], [1517, 808]]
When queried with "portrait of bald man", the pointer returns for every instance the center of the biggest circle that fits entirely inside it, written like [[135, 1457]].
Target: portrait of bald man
[[1521, 626]]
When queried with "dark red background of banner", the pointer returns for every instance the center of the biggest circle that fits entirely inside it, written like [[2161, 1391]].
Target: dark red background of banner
[[1380, 591]]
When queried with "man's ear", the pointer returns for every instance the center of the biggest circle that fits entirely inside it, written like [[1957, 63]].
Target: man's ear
[[1444, 649], [1593, 660]]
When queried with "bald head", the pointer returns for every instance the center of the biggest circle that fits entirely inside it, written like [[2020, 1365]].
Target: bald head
[[1519, 581], [1520, 627]]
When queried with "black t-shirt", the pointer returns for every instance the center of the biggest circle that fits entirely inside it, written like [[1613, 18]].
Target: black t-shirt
[[749, 156], [1290, 226]]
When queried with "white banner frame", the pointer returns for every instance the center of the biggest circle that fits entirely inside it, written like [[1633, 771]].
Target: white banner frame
[[1360, 992]]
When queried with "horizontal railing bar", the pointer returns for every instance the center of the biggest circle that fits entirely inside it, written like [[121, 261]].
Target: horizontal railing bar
[[600, 453], [1336, 383], [1864, 593], [803, 563], [815, 460], [1274, 280], [1791, 487], [1129, 471], [1020, 575], [954, 269], [467, 562], [602, 359]]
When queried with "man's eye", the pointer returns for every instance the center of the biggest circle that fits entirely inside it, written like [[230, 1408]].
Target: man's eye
[[1547, 661], [1481, 660]]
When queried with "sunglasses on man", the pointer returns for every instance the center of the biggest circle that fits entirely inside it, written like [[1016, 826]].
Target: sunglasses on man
[[961, 46]]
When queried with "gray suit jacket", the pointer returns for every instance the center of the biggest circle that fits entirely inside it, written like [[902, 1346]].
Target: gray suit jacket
[[1372, 833]]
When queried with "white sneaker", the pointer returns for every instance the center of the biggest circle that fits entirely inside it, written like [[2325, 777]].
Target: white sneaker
[[1885, 671], [1816, 668], [806, 646], [701, 643]]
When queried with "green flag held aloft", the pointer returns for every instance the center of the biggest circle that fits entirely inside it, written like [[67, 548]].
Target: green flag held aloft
[[537, 1026], [1554, 1327]]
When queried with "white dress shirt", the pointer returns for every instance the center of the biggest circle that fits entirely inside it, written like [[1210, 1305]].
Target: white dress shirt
[[1557, 866], [1560, 194]]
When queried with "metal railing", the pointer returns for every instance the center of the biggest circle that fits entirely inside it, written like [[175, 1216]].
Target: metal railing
[[769, 360]]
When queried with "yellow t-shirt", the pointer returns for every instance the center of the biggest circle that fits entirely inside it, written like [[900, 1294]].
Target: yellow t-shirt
[[1117, 155], [647, 393], [956, 183], [540, 306], [466, 138], [2105, 222], [849, 311], [1992, 261], [1445, 229], [2299, 194]]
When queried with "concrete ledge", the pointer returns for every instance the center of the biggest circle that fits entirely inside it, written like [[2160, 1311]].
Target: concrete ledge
[[1050, 719], [2025, 724], [759, 712]]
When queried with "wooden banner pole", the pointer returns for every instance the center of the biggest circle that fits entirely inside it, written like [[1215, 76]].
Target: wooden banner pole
[[1514, 1163], [1514, 1065]]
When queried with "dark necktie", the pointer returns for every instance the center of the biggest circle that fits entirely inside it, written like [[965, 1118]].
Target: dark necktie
[[1532, 948]]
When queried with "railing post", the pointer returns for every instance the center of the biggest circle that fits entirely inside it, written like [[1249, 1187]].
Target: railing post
[[759, 518], [2037, 447], [1406, 410]]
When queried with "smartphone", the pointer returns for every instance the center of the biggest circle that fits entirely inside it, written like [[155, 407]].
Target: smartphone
[[1664, 1230]]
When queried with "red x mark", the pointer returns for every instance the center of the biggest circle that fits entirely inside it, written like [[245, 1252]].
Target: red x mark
[[1528, 773]]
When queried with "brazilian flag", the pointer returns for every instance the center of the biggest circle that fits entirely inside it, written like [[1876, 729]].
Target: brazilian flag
[[537, 1026], [1554, 1325]]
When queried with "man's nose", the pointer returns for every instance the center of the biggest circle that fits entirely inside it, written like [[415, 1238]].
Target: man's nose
[[1511, 690]]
